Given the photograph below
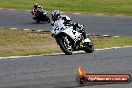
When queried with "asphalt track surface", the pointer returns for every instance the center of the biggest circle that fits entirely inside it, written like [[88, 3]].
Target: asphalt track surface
[[94, 24], [60, 71]]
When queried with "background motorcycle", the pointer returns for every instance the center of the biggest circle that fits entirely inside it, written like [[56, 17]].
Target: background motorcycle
[[70, 40], [41, 17]]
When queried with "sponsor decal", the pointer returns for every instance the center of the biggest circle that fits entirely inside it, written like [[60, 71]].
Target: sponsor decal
[[83, 78]]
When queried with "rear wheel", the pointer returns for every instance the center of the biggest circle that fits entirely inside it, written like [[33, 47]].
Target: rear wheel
[[88, 47], [37, 21], [65, 45], [47, 19], [37, 18]]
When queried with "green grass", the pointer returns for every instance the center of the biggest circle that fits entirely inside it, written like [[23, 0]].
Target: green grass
[[108, 42], [88, 6], [19, 42]]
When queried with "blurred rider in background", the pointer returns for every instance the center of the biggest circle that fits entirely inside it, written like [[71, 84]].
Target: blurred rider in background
[[42, 10], [37, 9]]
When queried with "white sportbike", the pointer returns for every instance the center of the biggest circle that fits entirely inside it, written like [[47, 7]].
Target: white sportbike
[[70, 40]]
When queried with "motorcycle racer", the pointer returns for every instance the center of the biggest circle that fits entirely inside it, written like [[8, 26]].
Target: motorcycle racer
[[39, 14], [67, 22], [68, 35], [37, 9], [42, 10]]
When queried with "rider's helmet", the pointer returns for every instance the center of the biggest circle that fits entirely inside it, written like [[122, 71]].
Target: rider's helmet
[[55, 15], [36, 5]]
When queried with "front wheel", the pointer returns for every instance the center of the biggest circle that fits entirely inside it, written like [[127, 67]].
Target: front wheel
[[88, 47], [65, 45]]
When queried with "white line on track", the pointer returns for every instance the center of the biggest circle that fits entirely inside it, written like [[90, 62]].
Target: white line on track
[[26, 29], [11, 9], [116, 36], [39, 30], [76, 13], [62, 12], [13, 28], [106, 35], [55, 54], [100, 14]]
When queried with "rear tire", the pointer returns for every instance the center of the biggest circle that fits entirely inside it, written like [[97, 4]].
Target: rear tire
[[88, 48], [47, 19], [64, 47], [37, 21]]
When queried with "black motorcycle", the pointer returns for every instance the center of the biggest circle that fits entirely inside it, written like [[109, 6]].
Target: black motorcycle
[[41, 17]]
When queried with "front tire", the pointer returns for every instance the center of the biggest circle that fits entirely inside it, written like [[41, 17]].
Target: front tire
[[88, 47], [66, 48]]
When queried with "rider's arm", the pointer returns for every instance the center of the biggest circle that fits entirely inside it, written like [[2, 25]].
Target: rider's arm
[[52, 23], [66, 19], [32, 11]]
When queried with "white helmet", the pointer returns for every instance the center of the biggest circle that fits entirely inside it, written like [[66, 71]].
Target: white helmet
[[36, 5], [55, 15]]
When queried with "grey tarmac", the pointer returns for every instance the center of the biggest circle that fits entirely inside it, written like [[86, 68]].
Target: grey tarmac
[[94, 24], [60, 71]]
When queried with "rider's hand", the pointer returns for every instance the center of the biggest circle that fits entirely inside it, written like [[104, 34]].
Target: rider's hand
[[82, 27], [52, 23]]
